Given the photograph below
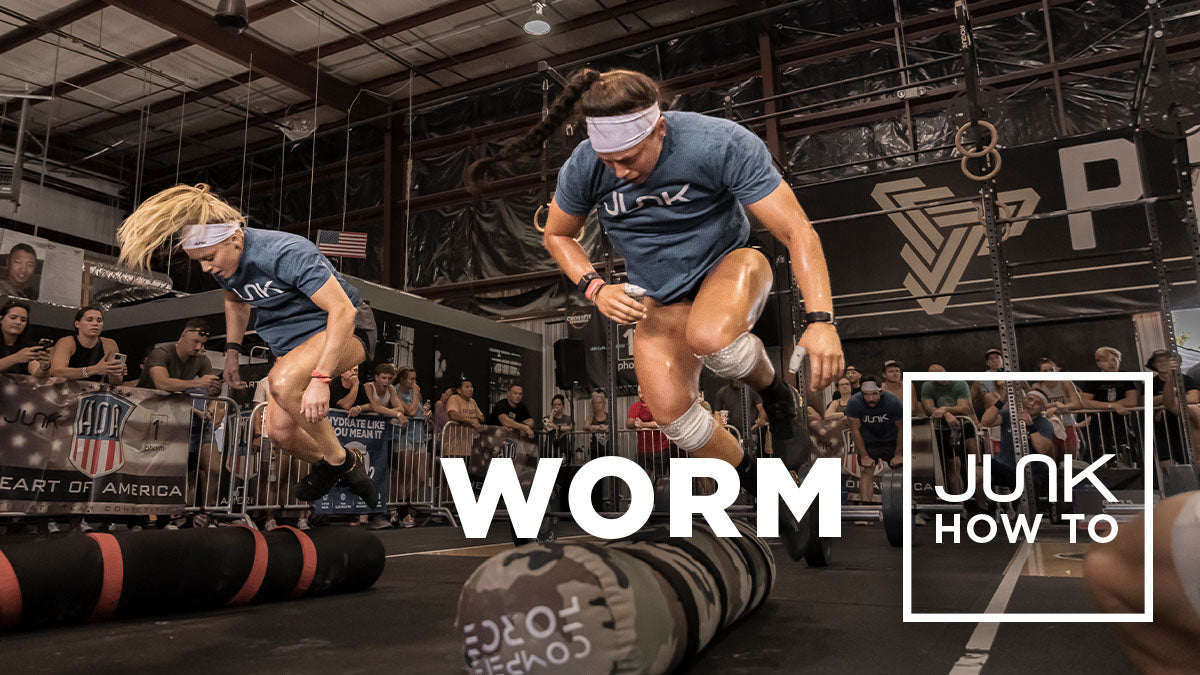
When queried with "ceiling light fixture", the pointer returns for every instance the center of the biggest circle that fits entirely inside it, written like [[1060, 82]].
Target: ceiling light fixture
[[537, 24], [232, 15]]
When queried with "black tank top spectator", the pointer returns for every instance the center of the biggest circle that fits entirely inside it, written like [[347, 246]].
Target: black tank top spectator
[[86, 355]]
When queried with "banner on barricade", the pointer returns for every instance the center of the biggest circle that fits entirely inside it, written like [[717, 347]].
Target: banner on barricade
[[372, 436], [83, 447]]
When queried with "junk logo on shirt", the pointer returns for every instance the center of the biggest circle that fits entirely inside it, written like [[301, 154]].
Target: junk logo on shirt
[[616, 205], [876, 419], [252, 292]]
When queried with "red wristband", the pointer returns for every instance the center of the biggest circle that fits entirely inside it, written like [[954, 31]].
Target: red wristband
[[318, 375], [593, 288]]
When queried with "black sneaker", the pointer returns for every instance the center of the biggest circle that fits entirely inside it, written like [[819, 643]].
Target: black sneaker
[[793, 533], [355, 479], [787, 420], [321, 479]]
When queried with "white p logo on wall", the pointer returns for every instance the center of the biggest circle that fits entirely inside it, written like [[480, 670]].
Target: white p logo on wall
[[942, 239]]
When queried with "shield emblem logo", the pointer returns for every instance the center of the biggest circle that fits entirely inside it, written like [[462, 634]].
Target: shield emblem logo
[[98, 424]]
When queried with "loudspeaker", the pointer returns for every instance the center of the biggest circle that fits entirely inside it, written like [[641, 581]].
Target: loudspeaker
[[570, 363]]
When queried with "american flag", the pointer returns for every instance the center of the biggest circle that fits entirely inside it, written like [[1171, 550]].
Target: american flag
[[344, 244]]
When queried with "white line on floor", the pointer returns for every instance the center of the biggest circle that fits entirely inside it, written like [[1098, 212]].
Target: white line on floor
[[470, 548], [980, 644]]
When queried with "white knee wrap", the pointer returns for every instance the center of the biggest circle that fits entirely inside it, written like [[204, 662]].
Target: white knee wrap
[[737, 359], [692, 430], [1185, 549]]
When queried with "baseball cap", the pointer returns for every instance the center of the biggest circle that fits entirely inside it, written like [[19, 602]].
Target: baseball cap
[[869, 387], [892, 362], [991, 351]]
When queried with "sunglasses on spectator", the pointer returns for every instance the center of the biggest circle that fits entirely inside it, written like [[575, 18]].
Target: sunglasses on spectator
[[198, 331]]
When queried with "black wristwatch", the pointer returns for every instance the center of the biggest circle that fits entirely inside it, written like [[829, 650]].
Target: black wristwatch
[[585, 281], [819, 317]]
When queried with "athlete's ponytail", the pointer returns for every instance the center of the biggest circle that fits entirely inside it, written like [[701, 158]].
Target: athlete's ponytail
[[153, 223]]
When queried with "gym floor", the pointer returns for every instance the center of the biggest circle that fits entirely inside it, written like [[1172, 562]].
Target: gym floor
[[842, 619]]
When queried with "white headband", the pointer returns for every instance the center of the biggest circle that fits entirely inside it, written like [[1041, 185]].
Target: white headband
[[1035, 392], [621, 132], [199, 236]]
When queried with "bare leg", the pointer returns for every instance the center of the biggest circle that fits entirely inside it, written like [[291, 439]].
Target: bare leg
[[1114, 574], [729, 303], [286, 426]]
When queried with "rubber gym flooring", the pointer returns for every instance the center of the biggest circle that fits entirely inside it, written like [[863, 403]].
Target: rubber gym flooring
[[842, 619]]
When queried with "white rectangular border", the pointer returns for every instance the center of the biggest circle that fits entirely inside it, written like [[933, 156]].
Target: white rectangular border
[[1068, 617]]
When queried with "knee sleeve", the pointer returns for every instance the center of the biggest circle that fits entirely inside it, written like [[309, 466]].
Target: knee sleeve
[[693, 428], [1185, 549], [737, 359]]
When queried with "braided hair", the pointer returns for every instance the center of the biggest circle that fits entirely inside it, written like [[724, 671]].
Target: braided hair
[[615, 92]]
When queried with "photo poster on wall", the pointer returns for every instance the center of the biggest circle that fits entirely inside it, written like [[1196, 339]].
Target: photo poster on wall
[[36, 269], [504, 372]]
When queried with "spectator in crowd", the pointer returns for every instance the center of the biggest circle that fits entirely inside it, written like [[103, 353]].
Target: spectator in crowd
[[463, 410], [893, 378], [855, 376], [18, 275], [652, 445], [1109, 432], [18, 353], [410, 394], [1064, 397], [86, 355], [837, 405], [382, 398], [439, 411], [1040, 436], [1168, 436], [946, 401], [875, 418], [597, 423], [991, 391], [559, 420], [729, 401], [511, 412], [558, 426], [183, 366], [344, 391]]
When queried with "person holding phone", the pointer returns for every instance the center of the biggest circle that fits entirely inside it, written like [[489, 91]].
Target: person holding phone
[[183, 366], [87, 356], [18, 353]]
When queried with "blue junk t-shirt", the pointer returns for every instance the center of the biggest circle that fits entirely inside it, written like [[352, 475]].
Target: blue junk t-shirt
[[277, 275], [878, 423], [673, 228]]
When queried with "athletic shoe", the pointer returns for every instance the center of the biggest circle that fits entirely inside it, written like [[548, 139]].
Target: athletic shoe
[[269, 525], [789, 431], [408, 521], [171, 526], [302, 524], [356, 481], [53, 528], [379, 523], [321, 479], [84, 526]]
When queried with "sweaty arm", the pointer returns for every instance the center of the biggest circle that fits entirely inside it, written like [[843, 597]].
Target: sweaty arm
[[783, 216], [559, 240], [237, 317], [339, 328]]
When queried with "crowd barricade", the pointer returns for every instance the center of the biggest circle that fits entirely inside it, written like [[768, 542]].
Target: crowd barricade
[[214, 487]]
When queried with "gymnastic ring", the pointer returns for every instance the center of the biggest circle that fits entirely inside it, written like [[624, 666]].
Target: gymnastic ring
[[976, 153], [541, 230], [989, 175], [538, 214]]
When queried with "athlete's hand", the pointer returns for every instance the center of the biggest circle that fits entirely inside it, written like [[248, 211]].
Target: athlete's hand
[[315, 403], [824, 354], [613, 302], [232, 377]]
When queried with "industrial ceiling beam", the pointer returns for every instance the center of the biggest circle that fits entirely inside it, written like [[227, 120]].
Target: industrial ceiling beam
[[260, 11], [199, 28], [52, 21]]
